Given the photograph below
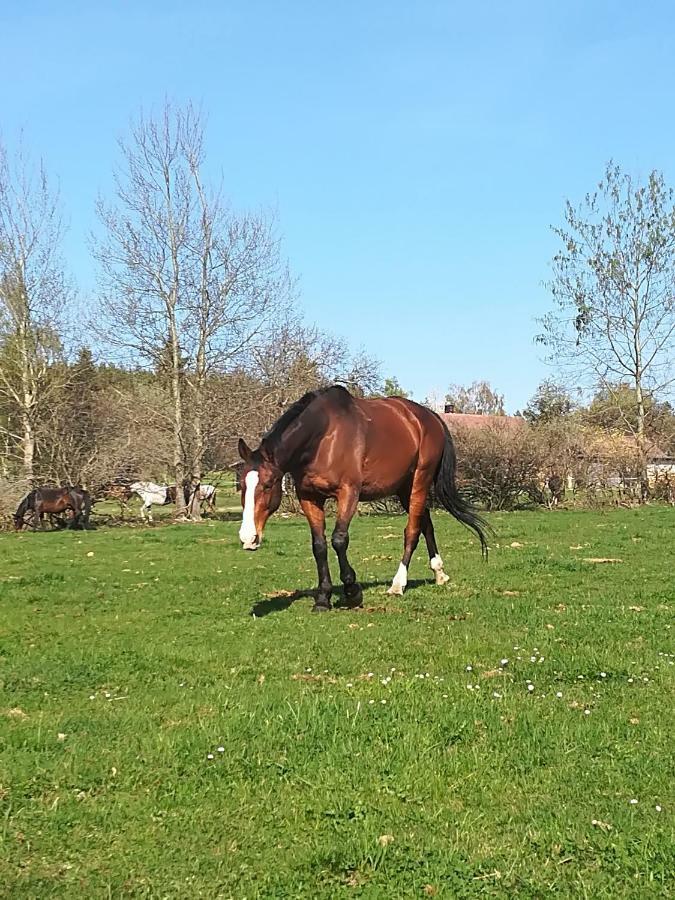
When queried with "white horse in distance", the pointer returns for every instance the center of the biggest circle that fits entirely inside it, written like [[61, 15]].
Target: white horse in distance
[[152, 494]]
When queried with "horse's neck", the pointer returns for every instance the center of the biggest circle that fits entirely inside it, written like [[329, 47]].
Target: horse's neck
[[288, 447]]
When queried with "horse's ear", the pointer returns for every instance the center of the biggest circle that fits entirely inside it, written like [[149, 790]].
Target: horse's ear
[[244, 450]]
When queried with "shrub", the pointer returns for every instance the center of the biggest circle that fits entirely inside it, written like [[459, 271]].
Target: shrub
[[501, 464]]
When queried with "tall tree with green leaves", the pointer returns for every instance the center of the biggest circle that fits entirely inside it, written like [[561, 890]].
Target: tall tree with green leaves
[[392, 388], [613, 286], [479, 398], [549, 403]]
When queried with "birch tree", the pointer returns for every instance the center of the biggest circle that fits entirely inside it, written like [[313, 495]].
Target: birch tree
[[34, 295], [614, 291], [240, 284], [186, 283], [143, 256]]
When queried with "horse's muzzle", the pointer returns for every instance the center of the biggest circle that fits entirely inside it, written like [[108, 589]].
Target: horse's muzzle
[[251, 543]]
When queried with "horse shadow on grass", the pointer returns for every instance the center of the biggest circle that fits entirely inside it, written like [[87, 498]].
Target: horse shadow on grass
[[283, 600]]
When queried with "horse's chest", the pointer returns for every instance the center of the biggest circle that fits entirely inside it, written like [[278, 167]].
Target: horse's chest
[[312, 482]]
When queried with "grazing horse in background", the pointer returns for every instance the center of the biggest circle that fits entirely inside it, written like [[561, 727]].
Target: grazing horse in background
[[556, 486], [119, 491], [162, 494], [153, 495], [336, 445], [54, 500], [207, 496]]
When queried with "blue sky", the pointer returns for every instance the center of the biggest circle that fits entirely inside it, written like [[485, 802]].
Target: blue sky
[[416, 153]]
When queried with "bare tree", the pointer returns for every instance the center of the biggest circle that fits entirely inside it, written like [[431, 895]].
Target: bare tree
[[144, 255], [34, 295], [240, 285], [188, 285], [296, 358], [614, 287]]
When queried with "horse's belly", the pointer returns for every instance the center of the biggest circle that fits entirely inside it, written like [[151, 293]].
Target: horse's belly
[[386, 469], [377, 488]]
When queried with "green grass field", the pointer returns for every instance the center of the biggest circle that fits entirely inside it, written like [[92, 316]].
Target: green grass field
[[158, 740]]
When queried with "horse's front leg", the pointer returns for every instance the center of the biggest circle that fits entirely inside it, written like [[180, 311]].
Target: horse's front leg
[[314, 512], [347, 503]]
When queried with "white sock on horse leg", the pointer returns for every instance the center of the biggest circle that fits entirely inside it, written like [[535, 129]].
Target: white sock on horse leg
[[436, 564], [400, 580]]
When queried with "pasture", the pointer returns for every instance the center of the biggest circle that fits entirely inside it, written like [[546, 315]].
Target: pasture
[[508, 734]]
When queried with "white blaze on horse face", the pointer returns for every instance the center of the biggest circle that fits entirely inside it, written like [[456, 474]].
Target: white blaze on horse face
[[400, 580], [436, 564], [247, 532]]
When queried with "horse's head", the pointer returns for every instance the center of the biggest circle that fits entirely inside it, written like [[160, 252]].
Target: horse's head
[[260, 493], [19, 522]]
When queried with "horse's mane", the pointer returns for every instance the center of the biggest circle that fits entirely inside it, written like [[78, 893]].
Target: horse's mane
[[272, 437]]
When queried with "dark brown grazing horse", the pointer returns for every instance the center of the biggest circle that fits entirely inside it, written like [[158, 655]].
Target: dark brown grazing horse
[[335, 445], [54, 500]]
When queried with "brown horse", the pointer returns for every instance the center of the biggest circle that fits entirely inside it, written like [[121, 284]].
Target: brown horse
[[54, 501], [335, 445]]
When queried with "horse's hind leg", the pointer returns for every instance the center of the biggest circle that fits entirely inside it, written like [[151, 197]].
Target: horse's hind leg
[[427, 527], [347, 503], [435, 561], [416, 505]]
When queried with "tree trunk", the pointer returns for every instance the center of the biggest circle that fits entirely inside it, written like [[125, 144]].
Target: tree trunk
[[28, 448], [198, 428], [176, 392], [641, 443], [195, 504], [27, 401]]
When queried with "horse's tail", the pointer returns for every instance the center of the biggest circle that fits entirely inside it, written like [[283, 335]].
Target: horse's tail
[[450, 498]]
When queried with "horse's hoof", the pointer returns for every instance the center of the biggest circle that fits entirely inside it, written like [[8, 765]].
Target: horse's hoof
[[321, 607], [442, 578], [354, 596], [395, 590]]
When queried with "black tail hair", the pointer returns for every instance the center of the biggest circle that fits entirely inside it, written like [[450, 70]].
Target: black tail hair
[[447, 494]]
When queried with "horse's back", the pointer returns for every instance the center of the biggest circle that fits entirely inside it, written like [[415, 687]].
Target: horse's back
[[401, 436], [150, 493], [398, 424], [374, 444]]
